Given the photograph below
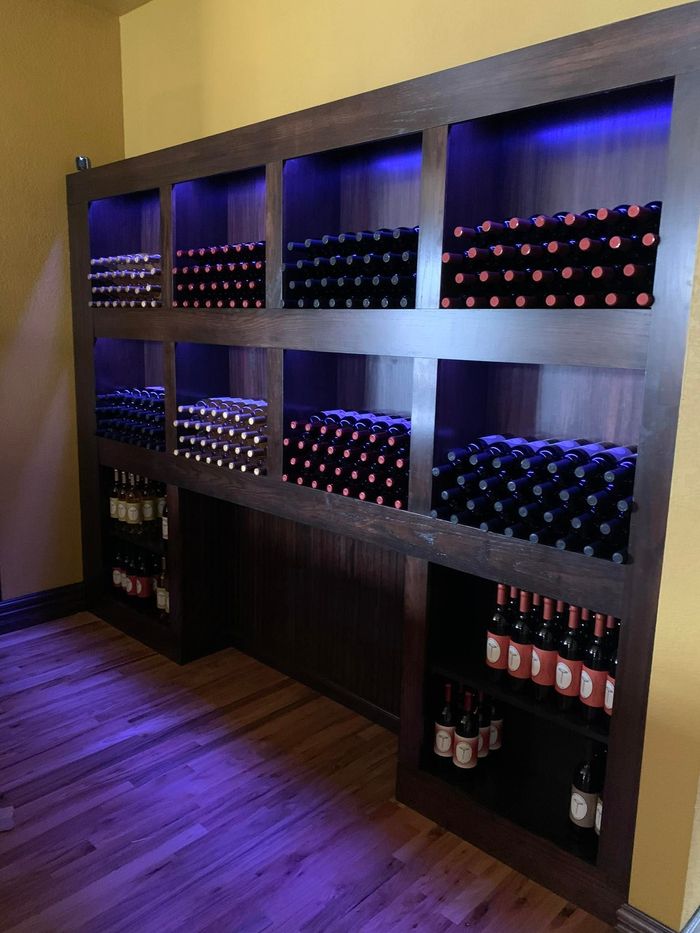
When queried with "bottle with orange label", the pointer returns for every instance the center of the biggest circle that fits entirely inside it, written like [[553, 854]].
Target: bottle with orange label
[[498, 636], [520, 645], [594, 671], [545, 645], [569, 661], [465, 752], [609, 700], [445, 726]]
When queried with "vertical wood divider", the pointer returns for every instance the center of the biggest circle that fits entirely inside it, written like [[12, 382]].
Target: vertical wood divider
[[166, 245], [273, 234], [170, 385], [413, 660], [275, 410], [84, 343], [176, 570], [662, 391], [432, 216], [420, 483]]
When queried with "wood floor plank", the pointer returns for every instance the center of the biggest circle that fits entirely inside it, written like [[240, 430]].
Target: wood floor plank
[[221, 796]]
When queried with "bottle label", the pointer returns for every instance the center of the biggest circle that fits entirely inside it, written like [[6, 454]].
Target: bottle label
[[598, 815], [609, 695], [497, 651], [167, 601], [568, 677], [519, 660], [117, 577], [113, 506], [444, 738], [148, 510], [133, 513], [143, 587], [484, 740], [160, 506], [582, 808], [496, 734], [161, 594], [164, 522], [592, 688], [466, 751], [544, 665], [121, 511], [130, 585]]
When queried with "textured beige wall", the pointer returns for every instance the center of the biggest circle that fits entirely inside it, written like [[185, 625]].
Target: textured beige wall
[[60, 74]]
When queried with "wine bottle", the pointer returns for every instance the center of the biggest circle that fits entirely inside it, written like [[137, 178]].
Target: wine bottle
[[520, 644], [144, 589], [569, 662], [496, 729], [609, 695], [586, 785], [594, 671], [466, 735], [498, 635], [445, 726], [545, 644], [484, 711], [162, 593]]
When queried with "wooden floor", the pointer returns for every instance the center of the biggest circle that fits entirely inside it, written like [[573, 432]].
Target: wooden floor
[[222, 797]]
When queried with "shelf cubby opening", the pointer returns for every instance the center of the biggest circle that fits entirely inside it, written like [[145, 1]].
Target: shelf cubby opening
[[127, 223], [528, 780], [211, 213], [315, 382], [570, 156]]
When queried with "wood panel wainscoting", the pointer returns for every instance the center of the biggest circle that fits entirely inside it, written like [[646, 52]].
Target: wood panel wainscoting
[[220, 796]]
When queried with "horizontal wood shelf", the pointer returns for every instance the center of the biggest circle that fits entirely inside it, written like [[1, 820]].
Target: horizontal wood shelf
[[151, 543], [595, 583], [538, 858], [605, 338], [478, 677]]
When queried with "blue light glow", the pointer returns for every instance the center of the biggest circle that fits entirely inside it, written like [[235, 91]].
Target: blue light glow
[[628, 122]]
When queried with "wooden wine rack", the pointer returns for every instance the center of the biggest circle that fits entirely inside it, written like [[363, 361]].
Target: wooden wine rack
[[337, 592]]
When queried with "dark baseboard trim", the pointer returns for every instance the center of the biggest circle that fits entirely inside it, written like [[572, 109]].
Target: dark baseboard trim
[[41, 607], [631, 920]]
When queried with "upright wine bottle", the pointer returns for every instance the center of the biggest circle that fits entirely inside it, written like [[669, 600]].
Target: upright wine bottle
[[594, 671], [484, 725], [520, 645], [445, 726], [569, 661], [586, 785], [498, 635], [496, 731], [466, 735], [545, 644], [609, 700]]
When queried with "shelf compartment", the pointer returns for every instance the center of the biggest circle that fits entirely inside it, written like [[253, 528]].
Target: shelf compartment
[[128, 223], [611, 339], [596, 151]]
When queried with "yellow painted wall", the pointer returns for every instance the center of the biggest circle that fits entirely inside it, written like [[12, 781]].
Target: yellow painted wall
[[196, 67], [60, 79]]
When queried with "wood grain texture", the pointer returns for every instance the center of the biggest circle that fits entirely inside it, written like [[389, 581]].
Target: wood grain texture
[[561, 574], [656, 45], [612, 339], [420, 490], [676, 266], [432, 214], [218, 796], [273, 235]]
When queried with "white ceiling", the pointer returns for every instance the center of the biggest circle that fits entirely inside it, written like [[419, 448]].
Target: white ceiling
[[117, 7]]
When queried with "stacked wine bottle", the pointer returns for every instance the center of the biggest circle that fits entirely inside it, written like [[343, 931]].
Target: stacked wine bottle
[[570, 494], [225, 432], [366, 269], [362, 455], [131, 280], [602, 258], [227, 276], [558, 653], [133, 416], [139, 521]]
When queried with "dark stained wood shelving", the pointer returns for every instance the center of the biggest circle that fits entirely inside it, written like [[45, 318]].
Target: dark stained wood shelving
[[560, 574], [472, 134], [615, 338], [151, 543]]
